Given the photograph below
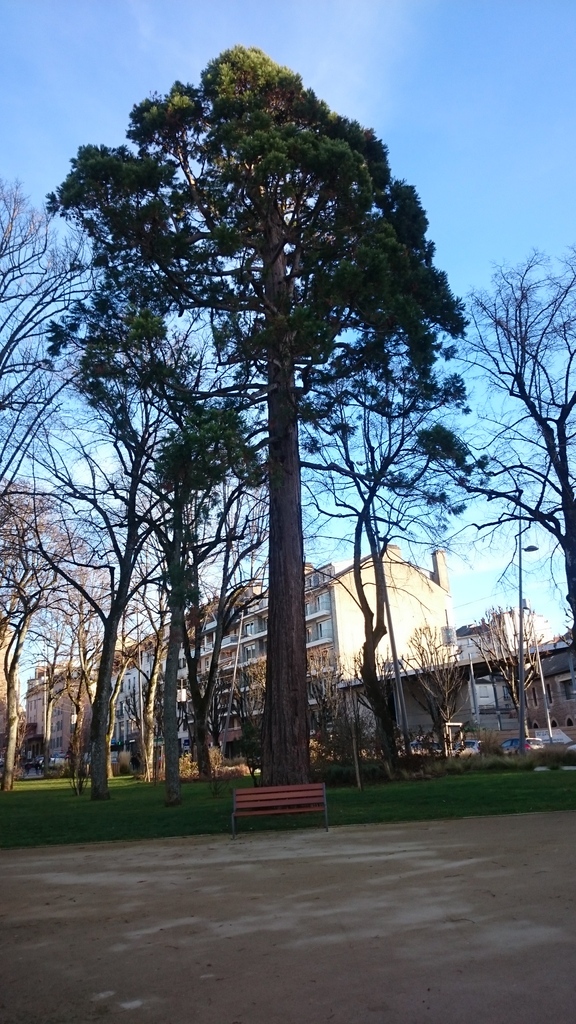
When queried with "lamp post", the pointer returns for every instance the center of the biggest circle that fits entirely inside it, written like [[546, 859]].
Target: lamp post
[[521, 676]]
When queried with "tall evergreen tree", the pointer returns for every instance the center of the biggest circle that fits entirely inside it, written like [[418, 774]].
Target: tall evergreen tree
[[248, 200]]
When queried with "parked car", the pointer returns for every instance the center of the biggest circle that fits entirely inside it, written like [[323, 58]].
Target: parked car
[[58, 760], [426, 747], [468, 747], [512, 746]]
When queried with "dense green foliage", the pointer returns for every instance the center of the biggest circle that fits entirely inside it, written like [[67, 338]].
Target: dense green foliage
[[250, 174]]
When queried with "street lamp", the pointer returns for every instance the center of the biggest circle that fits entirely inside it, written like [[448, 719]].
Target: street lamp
[[521, 677]]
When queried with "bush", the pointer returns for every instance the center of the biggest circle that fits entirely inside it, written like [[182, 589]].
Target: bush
[[234, 768], [553, 756], [490, 740], [345, 774], [188, 768]]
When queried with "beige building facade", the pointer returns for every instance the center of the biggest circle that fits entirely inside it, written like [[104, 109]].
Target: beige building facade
[[417, 597]]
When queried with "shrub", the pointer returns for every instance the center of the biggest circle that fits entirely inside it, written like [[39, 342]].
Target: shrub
[[345, 774], [235, 768], [188, 768], [490, 740], [553, 756]]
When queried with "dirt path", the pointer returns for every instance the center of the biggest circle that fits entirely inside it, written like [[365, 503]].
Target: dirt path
[[442, 922]]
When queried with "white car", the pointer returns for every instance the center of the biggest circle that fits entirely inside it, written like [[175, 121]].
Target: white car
[[468, 747], [58, 760]]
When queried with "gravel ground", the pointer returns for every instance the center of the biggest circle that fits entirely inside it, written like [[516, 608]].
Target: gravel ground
[[443, 922]]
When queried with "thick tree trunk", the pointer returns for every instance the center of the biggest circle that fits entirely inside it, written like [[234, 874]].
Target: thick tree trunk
[[147, 728], [114, 694], [99, 724], [374, 631], [570, 564], [99, 744], [285, 730], [50, 701], [378, 697], [171, 751], [13, 706], [202, 747], [12, 723]]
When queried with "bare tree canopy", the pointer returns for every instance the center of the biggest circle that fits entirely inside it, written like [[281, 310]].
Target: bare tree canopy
[[525, 345], [497, 640], [39, 279], [25, 585], [439, 680]]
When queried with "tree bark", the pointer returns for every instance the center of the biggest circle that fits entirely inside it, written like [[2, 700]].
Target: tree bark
[[48, 704], [202, 747], [147, 723], [12, 716], [377, 697], [100, 713], [12, 662], [285, 729], [373, 634], [171, 753], [570, 562]]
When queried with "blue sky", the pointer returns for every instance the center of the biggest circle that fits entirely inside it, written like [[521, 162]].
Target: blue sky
[[476, 100]]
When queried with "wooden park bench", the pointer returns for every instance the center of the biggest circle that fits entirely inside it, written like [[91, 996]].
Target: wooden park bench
[[306, 798]]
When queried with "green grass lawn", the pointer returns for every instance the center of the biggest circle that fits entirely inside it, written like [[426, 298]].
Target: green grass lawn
[[45, 812]]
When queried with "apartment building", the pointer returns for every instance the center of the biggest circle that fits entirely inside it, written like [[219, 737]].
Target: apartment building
[[62, 717], [334, 629]]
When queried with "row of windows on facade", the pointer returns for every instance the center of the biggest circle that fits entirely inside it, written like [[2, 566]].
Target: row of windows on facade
[[321, 603], [569, 693], [321, 630]]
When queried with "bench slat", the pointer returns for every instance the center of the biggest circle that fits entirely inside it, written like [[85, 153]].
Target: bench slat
[[297, 799], [285, 799]]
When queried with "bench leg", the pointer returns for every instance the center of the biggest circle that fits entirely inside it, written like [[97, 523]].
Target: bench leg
[[233, 826]]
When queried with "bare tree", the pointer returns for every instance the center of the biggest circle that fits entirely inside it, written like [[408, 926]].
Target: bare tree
[[224, 557], [150, 617], [384, 442], [78, 752], [525, 347], [40, 277], [439, 680], [497, 641], [249, 702], [25, 583], [95, 480]]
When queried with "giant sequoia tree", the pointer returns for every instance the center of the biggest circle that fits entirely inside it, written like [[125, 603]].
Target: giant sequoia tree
[[247, 200]]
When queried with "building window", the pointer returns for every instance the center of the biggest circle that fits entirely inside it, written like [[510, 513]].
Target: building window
[[535, 725], [569, 722], [554, 723], [534, 697], [548, 692], [319, 631]]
